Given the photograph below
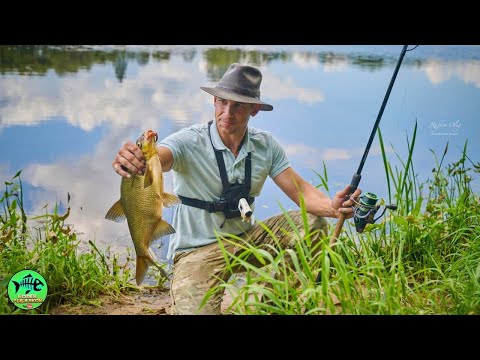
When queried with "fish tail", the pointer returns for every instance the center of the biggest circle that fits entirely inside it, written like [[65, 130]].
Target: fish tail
[[17, 286], [143, 262]]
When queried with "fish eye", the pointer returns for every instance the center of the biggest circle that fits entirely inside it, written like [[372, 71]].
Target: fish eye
[[139, 144], [156, 137]]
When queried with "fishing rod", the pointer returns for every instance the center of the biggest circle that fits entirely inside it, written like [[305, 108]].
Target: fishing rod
[[364, 211]]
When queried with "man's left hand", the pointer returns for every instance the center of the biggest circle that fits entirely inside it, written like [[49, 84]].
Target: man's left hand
[[345, 206]]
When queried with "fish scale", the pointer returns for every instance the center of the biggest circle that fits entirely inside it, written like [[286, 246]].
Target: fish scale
[[142, 198], [142, 208]]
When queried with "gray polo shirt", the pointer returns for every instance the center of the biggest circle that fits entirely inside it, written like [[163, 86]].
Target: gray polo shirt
[[196, 175]]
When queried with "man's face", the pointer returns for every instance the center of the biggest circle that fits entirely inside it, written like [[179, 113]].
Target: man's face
[[233, 116]]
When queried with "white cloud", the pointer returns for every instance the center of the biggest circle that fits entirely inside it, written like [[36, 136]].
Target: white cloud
[[337, 154], [284, 87], [5, 174], [312, 156], [300, 150], [305, 60], [87, 103], [440, 71]]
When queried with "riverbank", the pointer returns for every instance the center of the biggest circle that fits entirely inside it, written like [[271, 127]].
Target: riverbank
[[144, 301]]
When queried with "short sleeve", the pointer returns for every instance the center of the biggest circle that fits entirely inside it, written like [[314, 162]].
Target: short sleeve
[[279, 158], [179, 144]]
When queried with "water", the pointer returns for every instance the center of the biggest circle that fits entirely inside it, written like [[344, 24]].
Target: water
[[65, 111]]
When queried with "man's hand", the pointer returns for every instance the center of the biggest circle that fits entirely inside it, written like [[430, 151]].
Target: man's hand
[[345, 206], [129, 158]]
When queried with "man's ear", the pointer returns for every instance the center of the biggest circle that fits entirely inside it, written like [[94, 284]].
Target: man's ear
[[256, 109]]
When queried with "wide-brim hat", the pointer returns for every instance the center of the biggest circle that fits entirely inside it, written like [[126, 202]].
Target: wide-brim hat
[[240, 83]]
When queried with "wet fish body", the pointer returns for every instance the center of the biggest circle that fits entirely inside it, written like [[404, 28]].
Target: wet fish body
[[142, 198]]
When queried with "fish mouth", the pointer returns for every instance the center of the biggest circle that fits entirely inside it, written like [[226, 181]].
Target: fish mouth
[[149, 133]]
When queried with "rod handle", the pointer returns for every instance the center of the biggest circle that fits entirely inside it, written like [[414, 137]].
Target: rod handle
[[341, 219], [338, 229]]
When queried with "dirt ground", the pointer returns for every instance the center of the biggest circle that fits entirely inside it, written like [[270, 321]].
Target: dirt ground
[[147, 301]]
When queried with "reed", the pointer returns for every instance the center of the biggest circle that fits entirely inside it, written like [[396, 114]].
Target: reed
[[422, 259]]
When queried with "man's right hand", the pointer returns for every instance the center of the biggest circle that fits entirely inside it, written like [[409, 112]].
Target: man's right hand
[[129, 160]]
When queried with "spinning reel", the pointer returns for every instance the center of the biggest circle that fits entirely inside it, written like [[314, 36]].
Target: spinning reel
[[365, 210]]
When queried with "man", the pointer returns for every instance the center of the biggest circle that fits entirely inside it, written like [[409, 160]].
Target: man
[[214, 165]]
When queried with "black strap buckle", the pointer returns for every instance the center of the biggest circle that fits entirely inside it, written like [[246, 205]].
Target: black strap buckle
[[215, 206], [210, 207], [220, 206]]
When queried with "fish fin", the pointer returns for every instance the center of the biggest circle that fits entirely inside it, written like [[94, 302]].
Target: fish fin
[[163, 228], [143, 262], [116, 212], [148, 175], [169, 199], [26, 292]]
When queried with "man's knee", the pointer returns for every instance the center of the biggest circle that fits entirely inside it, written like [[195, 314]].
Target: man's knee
[[195, 274], [187, 299]]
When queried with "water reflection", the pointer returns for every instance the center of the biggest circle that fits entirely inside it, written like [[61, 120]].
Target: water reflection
[[442, 71], [65, 110], [39, 59]]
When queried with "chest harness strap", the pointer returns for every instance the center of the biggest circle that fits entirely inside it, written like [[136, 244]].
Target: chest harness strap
[[232, 193]]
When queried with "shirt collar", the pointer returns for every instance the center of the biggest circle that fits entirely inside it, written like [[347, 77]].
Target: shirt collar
[[219, 145], [216, 139]]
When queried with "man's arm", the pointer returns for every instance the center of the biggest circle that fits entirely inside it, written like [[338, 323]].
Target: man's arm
[[316, 201], [166, 158]]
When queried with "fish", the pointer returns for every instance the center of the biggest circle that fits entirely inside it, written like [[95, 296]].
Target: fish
[[28, 282], [142, 198]]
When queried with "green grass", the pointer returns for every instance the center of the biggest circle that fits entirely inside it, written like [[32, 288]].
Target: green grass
[[52, 249], [423, 258]]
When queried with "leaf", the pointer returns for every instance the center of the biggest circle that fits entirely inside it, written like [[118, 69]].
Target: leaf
[[64, 216]]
